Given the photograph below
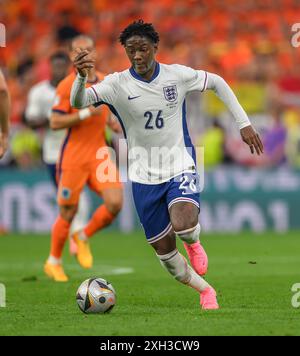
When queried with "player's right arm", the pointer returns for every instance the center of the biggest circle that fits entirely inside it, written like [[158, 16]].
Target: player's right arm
[[4, 115], [104, 92]]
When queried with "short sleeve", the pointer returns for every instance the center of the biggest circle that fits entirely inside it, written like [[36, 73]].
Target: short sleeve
[[62, 99], [193, 79]]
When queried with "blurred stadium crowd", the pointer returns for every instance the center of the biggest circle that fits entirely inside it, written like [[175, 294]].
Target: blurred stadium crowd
[[249, 43]]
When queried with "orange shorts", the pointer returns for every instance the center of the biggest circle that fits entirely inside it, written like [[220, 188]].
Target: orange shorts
[[72, 181]]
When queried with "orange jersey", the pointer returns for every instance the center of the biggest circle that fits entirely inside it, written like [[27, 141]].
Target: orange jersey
[[83, 140]]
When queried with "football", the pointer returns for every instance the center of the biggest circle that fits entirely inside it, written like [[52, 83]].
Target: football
[[96, 296]]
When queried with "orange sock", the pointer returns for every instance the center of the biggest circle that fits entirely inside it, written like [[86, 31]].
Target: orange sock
[[59, 235], [101, 218]]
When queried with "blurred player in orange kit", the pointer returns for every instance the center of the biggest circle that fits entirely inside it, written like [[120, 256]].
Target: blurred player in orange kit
[[77, 166]]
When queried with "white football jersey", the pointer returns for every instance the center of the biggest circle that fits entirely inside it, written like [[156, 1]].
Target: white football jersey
[[153, 117], [41, 98]]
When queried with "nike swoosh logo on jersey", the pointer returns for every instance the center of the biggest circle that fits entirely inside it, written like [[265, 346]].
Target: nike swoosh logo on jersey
[[133, 97]]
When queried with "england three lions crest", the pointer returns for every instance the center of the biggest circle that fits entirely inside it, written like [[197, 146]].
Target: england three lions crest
[[171, 93]]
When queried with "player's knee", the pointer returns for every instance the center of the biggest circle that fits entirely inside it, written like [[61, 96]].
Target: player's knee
[[68, 212], [184, 223], [187, 220], [191, 235], [115, 205]]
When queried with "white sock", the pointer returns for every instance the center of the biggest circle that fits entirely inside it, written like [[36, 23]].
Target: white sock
[[190, 236], [197, 282], [82, 236], [54, 261], [82, 216], [178, 267]]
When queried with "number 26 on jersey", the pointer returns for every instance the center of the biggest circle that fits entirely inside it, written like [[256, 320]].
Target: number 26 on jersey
[[152, 122]]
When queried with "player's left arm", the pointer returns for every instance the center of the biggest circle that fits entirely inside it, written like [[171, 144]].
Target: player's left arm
[[224, 92]]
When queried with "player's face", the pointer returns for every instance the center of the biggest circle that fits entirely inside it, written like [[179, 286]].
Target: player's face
[[84, 44], [141, 53], [59, 69]]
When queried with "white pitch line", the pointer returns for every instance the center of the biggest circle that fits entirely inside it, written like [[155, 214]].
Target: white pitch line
[[102, 270], [97, 269]]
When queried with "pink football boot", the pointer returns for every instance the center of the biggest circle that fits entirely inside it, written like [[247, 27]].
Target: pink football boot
[[208, 299], [197, 257]]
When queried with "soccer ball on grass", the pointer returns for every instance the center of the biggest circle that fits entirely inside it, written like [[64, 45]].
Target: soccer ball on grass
[[96, 296]]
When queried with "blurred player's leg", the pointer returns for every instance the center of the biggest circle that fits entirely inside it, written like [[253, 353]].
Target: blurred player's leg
[[82, 216], [106, 213], [177, 266], [101, 218], [80, 220], [59, 235], [71, 184], [112, 195]]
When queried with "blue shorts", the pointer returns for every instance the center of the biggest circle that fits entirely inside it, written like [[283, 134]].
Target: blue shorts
[[52, 172], [153, 201]]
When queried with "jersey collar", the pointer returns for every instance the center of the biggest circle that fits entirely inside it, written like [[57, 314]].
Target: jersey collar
[[138, 77]]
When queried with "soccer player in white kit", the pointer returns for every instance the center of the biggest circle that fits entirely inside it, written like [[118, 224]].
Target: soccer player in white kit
[[149, 100], [39, 107]]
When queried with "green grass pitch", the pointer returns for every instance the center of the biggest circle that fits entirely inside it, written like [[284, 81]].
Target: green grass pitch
[[253, 275]]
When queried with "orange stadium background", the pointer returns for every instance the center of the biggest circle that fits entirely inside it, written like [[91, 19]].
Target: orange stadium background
[[251, 44]]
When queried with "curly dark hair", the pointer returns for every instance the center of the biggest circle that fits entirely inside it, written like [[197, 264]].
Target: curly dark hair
[[139, 28]]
